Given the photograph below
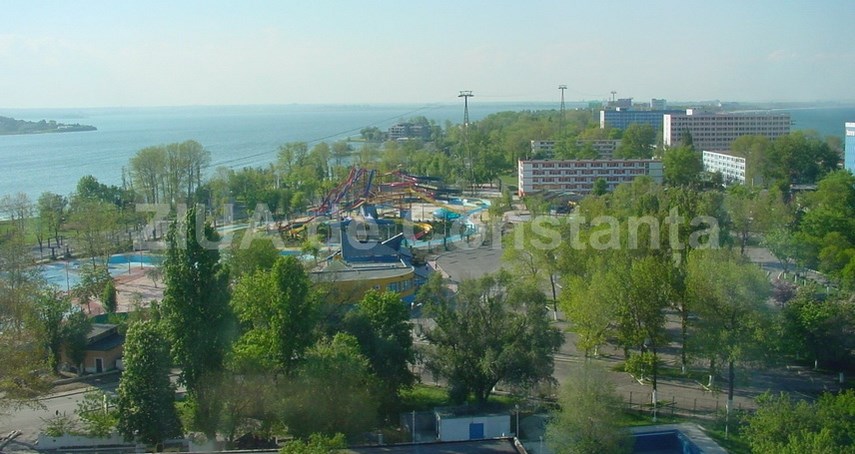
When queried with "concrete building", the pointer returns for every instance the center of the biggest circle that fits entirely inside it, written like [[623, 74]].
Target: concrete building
[[104, 346], [605, 148], [456, 425], [579, 175], [658, 104], [849, 148], [730, 166], [622, 118], [363, 265], [406, 131], [716, 131]]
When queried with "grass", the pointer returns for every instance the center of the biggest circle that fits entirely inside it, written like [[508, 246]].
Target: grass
[[426, 398]]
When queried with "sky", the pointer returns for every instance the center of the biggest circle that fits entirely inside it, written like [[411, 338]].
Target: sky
[[169, 53]]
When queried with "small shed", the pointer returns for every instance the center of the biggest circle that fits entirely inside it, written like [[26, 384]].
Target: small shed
[[462, 424]]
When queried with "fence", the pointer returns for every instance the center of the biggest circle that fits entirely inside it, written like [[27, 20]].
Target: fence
[[695, 407]]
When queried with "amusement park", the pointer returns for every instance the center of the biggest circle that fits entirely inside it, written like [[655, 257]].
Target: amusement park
[[374, 230]]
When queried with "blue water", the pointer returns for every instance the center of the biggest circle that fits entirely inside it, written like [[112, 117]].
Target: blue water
[[65, 275], [236, 136]]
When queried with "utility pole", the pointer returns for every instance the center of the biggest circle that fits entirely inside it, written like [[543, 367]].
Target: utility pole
[[466, 94], [561, 87]]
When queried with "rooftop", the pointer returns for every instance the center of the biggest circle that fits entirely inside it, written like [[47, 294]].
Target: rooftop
[[490, 446]]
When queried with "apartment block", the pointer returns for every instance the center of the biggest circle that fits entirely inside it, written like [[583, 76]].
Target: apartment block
[[717, 131], [579, 175], [730, 166]]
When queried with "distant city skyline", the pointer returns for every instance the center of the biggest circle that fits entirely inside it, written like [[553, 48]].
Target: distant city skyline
[[159, 53]]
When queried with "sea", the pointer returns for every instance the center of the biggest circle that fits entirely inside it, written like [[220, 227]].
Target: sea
[[236, 136]]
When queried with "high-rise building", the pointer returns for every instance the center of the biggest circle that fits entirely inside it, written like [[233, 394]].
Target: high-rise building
[[716, 131], [849, 150], [657, 104]]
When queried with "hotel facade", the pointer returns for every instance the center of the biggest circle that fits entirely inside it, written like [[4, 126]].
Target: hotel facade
[[579, 175], [731, 167], [716, 132]]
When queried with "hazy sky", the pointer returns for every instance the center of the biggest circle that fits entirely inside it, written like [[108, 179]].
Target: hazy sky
[[122, 53]]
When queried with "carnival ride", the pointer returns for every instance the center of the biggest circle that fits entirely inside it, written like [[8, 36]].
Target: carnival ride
[[371, 195]]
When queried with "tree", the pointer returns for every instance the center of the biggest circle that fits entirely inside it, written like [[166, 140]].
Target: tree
[[109, 297], [18, 208], [98, 414], [146, 396], [496, 330], [682, 166], [95, 223], [730, 296], [782, 425], [277, 313], [75, 335], [820, 329], [601, 187], [636, 142], [93, 281], [381, 325], [51, 212], [260, 255], [60, 324], [316, 444], [333, 392], [588, 420], [195, 313]]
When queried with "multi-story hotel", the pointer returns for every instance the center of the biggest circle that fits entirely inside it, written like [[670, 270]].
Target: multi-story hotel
[[622, 118], [716, 132], [731, 167], [579, 175], [849, 150]]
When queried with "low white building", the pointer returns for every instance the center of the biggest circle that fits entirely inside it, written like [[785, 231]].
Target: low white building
[[730, 166], [451, 426], [579, 175]]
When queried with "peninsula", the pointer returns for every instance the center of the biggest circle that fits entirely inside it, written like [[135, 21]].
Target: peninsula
[[10, 126]]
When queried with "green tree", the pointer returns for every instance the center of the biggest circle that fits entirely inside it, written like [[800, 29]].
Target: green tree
[[496, 330], [97, 413], [333, 392], [146, 396], [588, 420], [316, 444], [51, 211], [277, 315], [381, 325], [730, 296], [783, 425], [195, 313], [822, 330], [109, 297], [601, 187], [682, 166], [260, 255], [75, 335], [637, 142]]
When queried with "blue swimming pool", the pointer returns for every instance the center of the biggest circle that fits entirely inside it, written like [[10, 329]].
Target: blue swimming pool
[[664, 442]]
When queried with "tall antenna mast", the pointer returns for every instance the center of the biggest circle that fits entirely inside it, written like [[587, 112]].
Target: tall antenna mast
[[613, 95], [561, 87], [466, 94]]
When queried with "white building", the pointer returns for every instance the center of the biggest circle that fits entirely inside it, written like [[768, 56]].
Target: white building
[[716, 131], [731, 167], [579, 175]]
